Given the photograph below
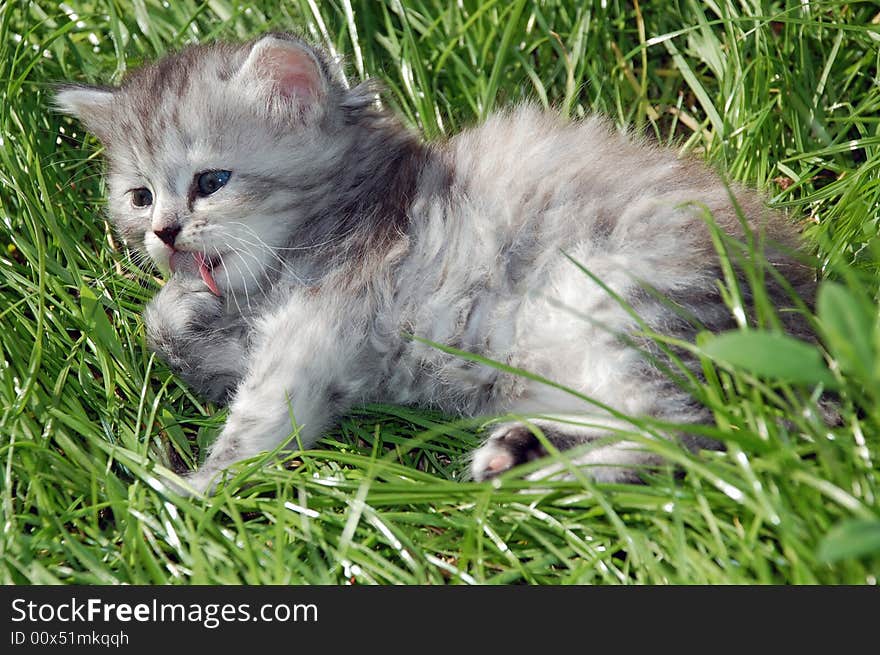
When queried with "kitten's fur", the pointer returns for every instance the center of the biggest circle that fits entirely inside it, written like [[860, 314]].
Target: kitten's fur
[[340, 233]]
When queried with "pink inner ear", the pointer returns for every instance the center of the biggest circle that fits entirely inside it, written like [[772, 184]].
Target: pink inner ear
[[292, 71]]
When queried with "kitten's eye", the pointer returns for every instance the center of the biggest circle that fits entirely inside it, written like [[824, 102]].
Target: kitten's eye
[[209, 181], [141, 197]]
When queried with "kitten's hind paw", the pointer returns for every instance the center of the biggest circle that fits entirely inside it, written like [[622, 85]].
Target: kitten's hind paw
[[196, 484], [508, 446]]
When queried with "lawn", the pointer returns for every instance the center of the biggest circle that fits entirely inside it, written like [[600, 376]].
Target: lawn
[[784, 96]]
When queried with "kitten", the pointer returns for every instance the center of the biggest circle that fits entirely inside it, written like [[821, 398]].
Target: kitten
[[308, 234]]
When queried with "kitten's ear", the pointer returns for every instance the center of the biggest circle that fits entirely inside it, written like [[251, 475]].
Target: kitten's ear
[[285, 70], [90, 104]]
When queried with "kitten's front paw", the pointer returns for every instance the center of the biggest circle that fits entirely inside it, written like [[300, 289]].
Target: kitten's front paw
[[183, 302], [508, 446]]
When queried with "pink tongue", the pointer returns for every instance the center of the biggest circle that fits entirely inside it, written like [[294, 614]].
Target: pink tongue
[[205, 272]]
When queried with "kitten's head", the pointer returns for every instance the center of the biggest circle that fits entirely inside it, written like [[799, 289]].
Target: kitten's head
[[207, 148]]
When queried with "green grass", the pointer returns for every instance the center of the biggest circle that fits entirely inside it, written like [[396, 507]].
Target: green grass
[[780, 95]]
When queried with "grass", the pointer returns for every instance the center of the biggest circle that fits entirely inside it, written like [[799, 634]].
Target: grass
[[782, 95]]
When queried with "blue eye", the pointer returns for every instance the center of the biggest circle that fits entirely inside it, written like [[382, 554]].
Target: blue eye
[[209, 181]]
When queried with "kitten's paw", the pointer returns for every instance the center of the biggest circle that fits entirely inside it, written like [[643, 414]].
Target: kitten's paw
[[181, 308], [508, 446], [195, 484]]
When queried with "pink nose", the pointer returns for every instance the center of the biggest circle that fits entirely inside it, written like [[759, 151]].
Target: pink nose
[[168, 234]]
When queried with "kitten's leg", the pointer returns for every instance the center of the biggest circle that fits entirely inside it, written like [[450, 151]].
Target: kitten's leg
[[187, 327], [305, 368], [512, 444], [614, 460]]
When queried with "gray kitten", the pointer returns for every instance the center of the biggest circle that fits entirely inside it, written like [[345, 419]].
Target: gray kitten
[[308, 234]]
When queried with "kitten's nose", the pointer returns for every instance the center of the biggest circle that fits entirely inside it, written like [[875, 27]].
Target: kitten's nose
[[168, 234]]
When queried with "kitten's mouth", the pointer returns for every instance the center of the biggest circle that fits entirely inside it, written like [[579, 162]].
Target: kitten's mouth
[[205, 265]]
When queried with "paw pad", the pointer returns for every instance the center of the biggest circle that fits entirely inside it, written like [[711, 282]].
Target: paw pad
[[507, 447]]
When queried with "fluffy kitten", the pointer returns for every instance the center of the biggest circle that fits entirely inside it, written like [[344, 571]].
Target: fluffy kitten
[[309, 234]]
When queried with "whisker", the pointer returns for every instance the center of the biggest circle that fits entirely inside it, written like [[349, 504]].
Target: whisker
[[242, 253], [313, 246], [285, 265], [247, 295], [234, 297]]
